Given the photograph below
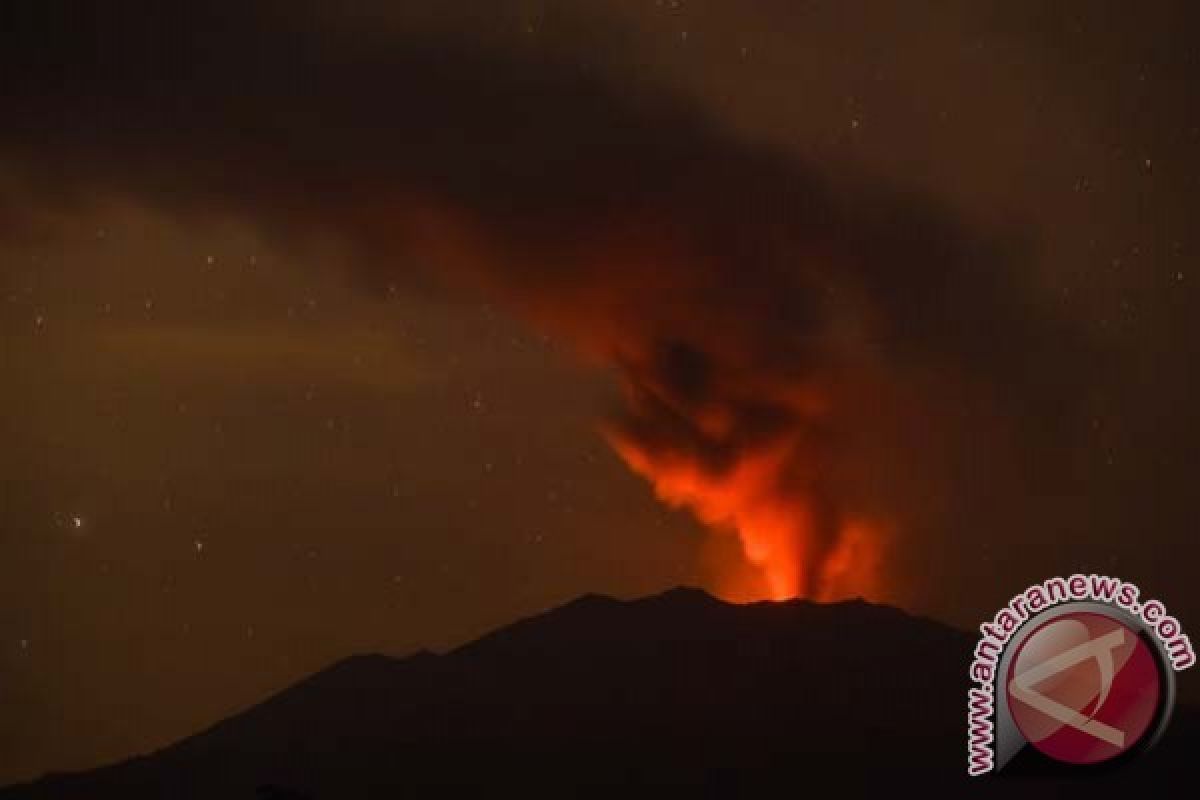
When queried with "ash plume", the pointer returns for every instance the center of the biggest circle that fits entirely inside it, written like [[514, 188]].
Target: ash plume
[[760, 322]]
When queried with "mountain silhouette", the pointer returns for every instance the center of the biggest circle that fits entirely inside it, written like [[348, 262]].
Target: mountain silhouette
[[676, 694]]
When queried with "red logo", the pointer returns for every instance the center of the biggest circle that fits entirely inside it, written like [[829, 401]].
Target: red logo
[[1084, 688]]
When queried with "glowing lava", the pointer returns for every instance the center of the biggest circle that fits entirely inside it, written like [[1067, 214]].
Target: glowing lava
[[779, 532], [728, 411]]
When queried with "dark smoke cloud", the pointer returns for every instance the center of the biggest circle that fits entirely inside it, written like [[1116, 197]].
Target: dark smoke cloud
[[742, 300]]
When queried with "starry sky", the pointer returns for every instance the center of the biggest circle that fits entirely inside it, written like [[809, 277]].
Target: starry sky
[[332, 331]]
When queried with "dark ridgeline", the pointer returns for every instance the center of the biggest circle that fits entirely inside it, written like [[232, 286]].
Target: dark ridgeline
[[677, 694]]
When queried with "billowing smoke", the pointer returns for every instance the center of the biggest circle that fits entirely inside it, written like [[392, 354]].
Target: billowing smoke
[[734, 358], [750, 313]]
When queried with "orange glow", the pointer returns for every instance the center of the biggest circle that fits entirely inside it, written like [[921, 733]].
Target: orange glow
[[776, 529], [852, 567], [797, 540]]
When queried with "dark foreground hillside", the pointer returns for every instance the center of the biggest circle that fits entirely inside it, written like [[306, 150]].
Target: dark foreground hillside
[[678, 694]]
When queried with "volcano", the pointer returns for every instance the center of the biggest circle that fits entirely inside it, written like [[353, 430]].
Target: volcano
[[679, 693]]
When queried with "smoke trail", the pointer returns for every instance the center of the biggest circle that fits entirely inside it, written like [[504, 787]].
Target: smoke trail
[[744, 308]]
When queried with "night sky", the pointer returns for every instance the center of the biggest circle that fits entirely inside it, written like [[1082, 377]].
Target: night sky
[[328, 332]]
